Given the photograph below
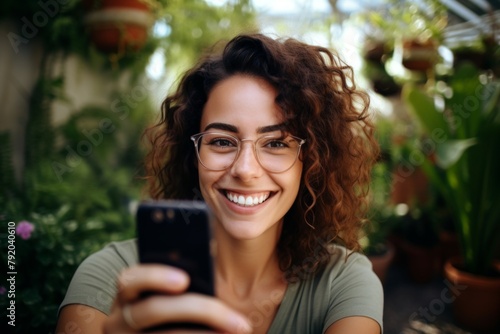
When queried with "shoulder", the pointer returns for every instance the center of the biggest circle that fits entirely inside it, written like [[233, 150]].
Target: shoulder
[[346, 273], [124, 251], [352, 286], [345, 263], [94, 282], [113, 257], [345, 287]]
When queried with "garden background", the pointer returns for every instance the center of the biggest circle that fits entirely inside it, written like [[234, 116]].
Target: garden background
[[78, 91]]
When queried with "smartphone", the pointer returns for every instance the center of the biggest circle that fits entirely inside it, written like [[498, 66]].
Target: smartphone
[[178, 233]]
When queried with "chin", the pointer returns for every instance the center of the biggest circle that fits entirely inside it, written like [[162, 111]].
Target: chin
[[238, 230], [249, 230]]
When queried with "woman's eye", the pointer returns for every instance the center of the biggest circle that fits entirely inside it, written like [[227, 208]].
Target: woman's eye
[[223, 142], [276, 144]]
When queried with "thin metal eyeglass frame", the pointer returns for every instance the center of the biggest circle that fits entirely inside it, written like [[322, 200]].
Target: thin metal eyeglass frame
[[196, 138]]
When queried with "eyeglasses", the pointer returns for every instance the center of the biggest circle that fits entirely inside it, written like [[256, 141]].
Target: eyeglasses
[[218, 151]]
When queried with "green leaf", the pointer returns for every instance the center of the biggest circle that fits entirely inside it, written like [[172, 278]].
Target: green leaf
[[491, 94], [449, 152], [423, 106]]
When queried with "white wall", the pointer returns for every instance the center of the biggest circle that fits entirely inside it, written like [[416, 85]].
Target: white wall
[[18, 73]]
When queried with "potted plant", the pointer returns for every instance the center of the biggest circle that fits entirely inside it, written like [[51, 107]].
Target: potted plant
[[414, 29], [462, 137], [376, 246], [414, 234], [416, 240], [483, 52], [116, 26], [419, 54], [375, 54], [473, 52], [420, 34]]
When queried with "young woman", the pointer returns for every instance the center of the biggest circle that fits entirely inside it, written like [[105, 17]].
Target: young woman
[[274, 136]]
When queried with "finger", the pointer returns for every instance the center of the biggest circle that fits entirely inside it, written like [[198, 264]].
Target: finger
[[150, 277], [127, 317], [117, 322], [190, 308]]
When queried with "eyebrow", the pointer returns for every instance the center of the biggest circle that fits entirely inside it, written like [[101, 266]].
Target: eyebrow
[[232, 128]]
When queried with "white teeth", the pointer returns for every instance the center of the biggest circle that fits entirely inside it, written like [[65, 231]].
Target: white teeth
[[246, 201]]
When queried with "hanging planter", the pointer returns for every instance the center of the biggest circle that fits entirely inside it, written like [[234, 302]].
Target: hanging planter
[[375, 54], [376, 51], [118, 26], [419, 55]]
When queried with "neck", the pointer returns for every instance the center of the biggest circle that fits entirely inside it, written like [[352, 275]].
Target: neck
[[243, 265]]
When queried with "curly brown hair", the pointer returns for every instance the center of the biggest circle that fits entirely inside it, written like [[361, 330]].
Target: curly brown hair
[[320, 102]]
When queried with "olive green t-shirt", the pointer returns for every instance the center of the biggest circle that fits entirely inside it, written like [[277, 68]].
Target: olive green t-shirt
[[346, 287]]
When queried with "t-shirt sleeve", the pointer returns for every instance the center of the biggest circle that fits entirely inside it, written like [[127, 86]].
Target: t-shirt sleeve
[[94, 283], [355, 291]]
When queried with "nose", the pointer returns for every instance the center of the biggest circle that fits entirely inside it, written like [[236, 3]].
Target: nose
[[246, 166]]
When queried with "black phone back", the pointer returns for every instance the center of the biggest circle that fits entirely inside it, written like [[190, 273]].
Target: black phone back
[[178, 233]]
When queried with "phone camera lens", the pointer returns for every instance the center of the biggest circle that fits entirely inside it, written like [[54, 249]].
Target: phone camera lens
[[170, 214], [157, 216]]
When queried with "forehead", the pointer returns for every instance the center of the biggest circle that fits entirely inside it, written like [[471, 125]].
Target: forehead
[[246, 102]]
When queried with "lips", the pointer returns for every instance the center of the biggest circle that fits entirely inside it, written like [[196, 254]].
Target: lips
[[247, 199]]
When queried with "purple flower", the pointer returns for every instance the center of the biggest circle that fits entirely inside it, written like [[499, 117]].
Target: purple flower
[[24, 229], [3, 290]]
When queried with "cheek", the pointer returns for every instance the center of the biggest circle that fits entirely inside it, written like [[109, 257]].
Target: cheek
[[203, 179], [291, 181], [298, 173], [297, 180], [207, 180]]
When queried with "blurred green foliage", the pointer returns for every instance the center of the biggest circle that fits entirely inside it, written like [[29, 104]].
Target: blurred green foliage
[[376, 231], [405, 18], [77, 203]]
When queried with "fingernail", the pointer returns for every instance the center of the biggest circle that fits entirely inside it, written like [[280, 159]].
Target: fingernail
[[176, 277]]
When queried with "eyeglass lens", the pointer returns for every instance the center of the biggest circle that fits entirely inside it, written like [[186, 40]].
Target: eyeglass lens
[[275, 153]]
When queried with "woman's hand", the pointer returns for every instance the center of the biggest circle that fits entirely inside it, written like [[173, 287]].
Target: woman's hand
[[132, 314]]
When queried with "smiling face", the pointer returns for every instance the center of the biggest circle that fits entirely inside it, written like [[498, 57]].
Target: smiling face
[[247, 200]]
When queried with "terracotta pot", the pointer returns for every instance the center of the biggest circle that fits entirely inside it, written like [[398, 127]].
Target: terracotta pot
[[409, 185], [381, 263], [419, 56], [449, 244], [421, 262], [477, 303], [116, 26]]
